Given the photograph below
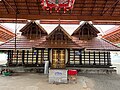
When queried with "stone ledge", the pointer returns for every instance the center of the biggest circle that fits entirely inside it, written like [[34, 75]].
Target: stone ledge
[[97, 70]]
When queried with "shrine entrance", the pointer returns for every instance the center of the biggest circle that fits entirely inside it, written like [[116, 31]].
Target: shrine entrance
[[58, 58]]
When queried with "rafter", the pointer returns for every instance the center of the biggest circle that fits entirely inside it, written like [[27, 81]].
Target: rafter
[[38, 4], [16, 6], [27, 6], [5, 6], [82, 7], [103, 7], [10, 6], [93, 7], [110, 7], [113, 8]]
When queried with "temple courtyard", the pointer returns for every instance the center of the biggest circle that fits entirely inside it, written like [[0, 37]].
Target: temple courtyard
[[39, 81]]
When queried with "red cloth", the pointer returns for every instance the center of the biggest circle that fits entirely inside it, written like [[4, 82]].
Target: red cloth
[[72, 72]]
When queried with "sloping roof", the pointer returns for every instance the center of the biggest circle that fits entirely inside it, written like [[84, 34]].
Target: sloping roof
[[46, 44], [84, 25], [113, 35], [58, 43], [96, 43], [22, 42], [114, 29], [62, 29], [5, 34], [29, 24]]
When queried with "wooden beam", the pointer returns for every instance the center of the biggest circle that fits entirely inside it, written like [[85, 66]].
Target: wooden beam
[[61, 21], [111, 33], [27, 6], [104, 7], [5, 6], [82, 7], [16, 6], [93, 7], [110, 7], [38, 4], [113, 8], [61, 17], [13, 21]]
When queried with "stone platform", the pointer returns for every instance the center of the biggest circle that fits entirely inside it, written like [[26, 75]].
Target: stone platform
[[110, 70]]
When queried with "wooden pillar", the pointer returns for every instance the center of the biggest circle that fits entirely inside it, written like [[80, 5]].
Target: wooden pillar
[[37, 56], [94, 59], [108, 58], [23, 52], [74, 57], [68, 57], [80, 57], [84, 57], [32, 55], [104, 58], [27, 56], [8, 59], [99, 58], [11, 56], [17, 58], [89, 57], [42, 56], [49, 56]]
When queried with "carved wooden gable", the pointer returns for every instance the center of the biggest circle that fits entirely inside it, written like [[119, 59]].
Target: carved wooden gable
[[33, 31], [59, 35], [86, 31]]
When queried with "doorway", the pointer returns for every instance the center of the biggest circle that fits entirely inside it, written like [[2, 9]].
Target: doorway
[[58, 58]]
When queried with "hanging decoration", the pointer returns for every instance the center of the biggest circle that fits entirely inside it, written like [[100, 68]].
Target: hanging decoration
[[57, 5]]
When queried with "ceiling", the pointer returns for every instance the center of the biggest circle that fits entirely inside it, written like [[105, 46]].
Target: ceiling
[[89, 10]]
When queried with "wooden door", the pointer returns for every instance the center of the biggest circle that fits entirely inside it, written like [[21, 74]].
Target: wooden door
[[58, 58]]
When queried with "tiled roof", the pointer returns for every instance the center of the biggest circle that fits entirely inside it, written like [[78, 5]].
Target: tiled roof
[[113, 35], [5, 34], [62, 29], [29, 24], [84, 25], [21, 43], [114, 29], [58, 44], [96, 43]]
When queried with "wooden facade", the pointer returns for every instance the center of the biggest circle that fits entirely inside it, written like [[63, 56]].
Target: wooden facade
[[81, 49]]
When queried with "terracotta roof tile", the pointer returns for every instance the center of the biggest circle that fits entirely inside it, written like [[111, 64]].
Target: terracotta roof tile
[[58, 44], [114, 29], [96, 44]]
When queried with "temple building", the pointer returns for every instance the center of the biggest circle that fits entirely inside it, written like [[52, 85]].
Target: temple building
[[81, 49]]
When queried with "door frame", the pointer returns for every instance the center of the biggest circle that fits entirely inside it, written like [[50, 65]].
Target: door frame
[[59, 54]]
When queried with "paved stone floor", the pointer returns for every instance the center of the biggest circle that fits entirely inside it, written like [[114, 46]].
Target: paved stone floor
[[38, 81]]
